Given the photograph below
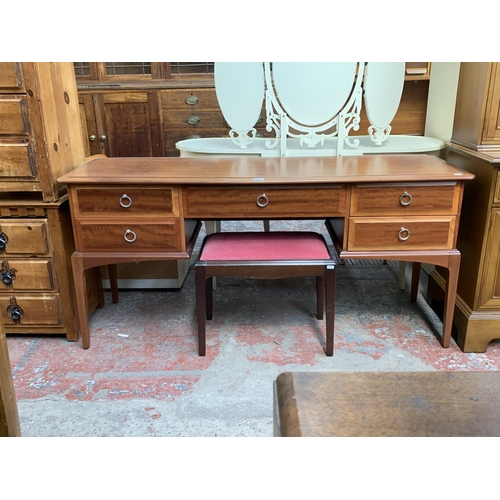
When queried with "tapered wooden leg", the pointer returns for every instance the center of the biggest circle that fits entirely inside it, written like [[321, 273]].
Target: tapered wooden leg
[[81, 298], [209, 293], [450, 297], [330, 308], [415, 279], [320, 296], [113, 282], [200, 279]]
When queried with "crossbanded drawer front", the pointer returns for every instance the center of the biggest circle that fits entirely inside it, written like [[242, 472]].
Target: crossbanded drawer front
[[130, 236], [407, 199], [13, 120], [23, 237], [413, 233], [127, 201], [16, 160], [237, 203], [38, 309], [26, 274]]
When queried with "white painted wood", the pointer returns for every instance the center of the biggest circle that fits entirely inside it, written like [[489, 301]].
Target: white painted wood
[[313, 93], [240, 91], [383, 88]]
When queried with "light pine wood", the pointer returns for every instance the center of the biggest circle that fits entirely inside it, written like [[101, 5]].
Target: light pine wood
[[376, 404], [11, 79], [25, 236], [29, 274], [9, 416], [37, 310]]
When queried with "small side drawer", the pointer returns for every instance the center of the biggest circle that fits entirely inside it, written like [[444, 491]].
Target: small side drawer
[[413, 233], [130, 236], [16, 160], [408, 199], [31, 310], [11, 77], [13, 119], [189, 99], [126, 201], [24, 237], [26, 274], [264, 202]]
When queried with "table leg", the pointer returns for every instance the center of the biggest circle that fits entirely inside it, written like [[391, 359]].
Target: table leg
[[81, 298], [450, 297]]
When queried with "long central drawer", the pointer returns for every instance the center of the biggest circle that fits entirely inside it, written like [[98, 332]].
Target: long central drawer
[[266, 202]]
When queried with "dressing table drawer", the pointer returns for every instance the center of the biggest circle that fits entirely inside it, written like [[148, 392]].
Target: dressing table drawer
[[133, 235], [407, 199], [126, 201], [392, 233], [264, 202]]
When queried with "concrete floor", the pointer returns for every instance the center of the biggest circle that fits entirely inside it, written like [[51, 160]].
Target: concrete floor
[[142, 375]]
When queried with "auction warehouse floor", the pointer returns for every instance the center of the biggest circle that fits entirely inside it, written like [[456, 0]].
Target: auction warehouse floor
[[142, 375]]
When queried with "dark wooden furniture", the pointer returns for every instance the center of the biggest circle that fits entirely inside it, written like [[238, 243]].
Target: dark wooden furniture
[[395, 207], [475, 147], [370, 404], [269, 256], [9, 417], [40, 140]]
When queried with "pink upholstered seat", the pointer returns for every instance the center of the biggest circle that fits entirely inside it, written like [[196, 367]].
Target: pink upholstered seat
[[268, 255], [265, 246]]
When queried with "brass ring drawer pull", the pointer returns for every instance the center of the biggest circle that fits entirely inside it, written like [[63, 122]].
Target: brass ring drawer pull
[[125, 201], [405, 199], [262, 201], [130, 236], [402, 232], [193, 120], [192, 100]]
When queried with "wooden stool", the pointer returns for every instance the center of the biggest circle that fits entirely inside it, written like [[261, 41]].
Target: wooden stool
[[265, 255]]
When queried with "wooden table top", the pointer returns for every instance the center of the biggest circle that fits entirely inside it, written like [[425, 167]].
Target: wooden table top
[[254, 170], [320, 404]]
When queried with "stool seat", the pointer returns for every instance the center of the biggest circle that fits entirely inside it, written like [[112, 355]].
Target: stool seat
[[266, 255]]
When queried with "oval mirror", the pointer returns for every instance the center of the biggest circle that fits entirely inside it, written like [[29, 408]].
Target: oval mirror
[[383, 87], [240, 91], [313, 93]]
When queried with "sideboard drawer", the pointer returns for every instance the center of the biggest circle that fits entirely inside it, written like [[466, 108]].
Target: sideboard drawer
[[130, 236], [126, 201], [32, 310], [407, 199], [189, 99], [264, 202], [24, 237], [26, 274], [412, 233]]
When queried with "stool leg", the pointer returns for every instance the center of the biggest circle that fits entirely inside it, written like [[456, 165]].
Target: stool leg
[[200, 280], [320, 296], [330, 307], [209, 297], [415, 277]]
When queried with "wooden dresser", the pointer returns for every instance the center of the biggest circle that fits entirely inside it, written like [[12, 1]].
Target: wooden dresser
[[40, 140], [475, 147]]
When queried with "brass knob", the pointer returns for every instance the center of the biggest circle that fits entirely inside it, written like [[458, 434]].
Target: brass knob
[[102, 138], [192, 100], [403, 234], [193, 120], [405, 199], [92, 138]]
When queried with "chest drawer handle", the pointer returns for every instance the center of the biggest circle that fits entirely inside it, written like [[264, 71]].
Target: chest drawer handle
[[3, 240], [130, 236], [192, 100], [403, 234], [15, 312], [405, 199], [125, 201], [8, 276], [262, 201], [193, 120]]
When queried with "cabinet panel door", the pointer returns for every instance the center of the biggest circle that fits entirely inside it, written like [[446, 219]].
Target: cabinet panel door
[[490, 284], [89, 125], [129, 123], [492, 121]]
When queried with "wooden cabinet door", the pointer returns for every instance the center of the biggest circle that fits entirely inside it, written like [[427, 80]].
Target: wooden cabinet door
[[129, 124], [89, 124], [489, 297], [492, 118]]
